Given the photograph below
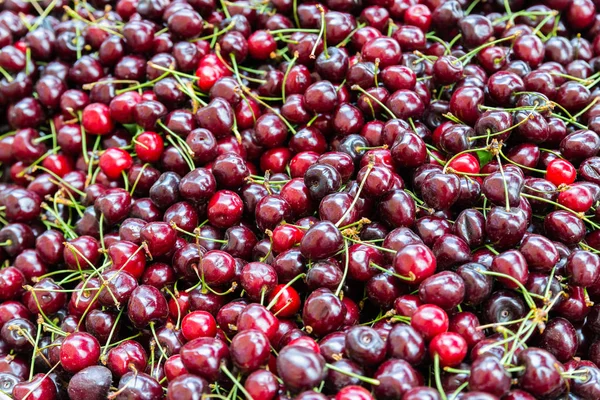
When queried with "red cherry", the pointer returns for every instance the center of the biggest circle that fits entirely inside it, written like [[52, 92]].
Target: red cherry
[[261, 44], [210, 69], [225, 209], [149, 147], [415, 262], [450, 347], [78, 351], [466, 163], [198, 324], [58, 163], [96, 119], [285, 237], [560, 171], [353, 392], [577, 198], [307, 342], [287, 304], [114, 161], [430, 320]]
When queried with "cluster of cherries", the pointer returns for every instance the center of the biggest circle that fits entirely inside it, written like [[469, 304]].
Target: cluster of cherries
[[277, 200]]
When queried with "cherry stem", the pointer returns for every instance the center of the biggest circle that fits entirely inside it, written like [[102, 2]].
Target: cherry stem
[[387, 271], [236, 382], [371, 245], [356, 196], [346, 263], [374, 382], [485, 45], [6, 74], [35, 350], [436, 374], [112, 332], [457, 371], [156, 339], [287, 72], [376, 100], [526, 294], [505, 184]]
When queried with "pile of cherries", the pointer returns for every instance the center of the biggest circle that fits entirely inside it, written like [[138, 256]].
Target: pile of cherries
[[286, 199]]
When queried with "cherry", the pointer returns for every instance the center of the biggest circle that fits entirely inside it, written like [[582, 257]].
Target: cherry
[[261, 384], [489, 375], [146, 306], [149, 147], [541, 376], [198, 324], [430, 321], [396, 377], [125, 357], [96, 119], [187, 386], [406, 343], [38, 388], [137, 385], [300, 368], [323, 312], [249, 350], [159, 237], [204, 357], [415, 262], [450, 347], [78, 351]]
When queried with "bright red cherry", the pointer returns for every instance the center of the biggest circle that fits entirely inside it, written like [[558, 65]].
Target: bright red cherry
[[78, 351], [261, 45], [450, 347], [114, 161], [430, 321], [416, 262], [287, 303], [354, 392], [466, 163], [58, 163], [149, 147], [561, 171], [285, 237], [577, 198], [198, 324], [96, 119]]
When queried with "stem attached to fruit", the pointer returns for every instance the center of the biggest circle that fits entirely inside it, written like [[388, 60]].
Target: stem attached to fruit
[[374, 382]]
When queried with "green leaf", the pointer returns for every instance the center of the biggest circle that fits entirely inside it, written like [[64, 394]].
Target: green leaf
[[484, 157]]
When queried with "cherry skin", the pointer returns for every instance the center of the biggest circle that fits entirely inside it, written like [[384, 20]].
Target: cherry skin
[[287, 301], [415, 262], [78, 351], [96, 119], [198, 324], [149, 147], [430, 321], [250, 349], [125, 357], [561, 171], [450, 347], [115, 161]]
